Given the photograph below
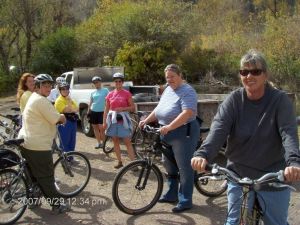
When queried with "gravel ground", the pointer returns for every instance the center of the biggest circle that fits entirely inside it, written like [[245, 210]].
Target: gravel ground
[[95, 206]]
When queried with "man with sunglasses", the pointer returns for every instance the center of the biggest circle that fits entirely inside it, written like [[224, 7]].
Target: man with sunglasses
[[259, 124]]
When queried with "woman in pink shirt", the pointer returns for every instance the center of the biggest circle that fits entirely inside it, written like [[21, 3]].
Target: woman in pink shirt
[[116, 118]]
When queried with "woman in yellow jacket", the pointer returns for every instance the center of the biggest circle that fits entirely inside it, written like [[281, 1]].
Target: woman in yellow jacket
[[64, 104]]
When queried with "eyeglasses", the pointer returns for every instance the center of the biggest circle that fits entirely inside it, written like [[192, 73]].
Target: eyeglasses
[[255, 72]]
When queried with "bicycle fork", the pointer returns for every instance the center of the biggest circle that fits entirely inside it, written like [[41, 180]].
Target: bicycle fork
[[144, 173], [66, 166]]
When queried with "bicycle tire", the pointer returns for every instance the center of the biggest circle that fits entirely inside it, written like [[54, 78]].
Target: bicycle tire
[[210, 185], [70, 185], [13, 199], [131, 198], [108, 145], [138, 144]]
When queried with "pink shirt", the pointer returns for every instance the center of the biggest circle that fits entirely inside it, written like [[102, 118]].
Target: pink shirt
[[118, 99]]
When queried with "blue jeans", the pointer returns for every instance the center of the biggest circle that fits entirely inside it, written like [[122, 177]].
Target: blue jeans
[[183, 148], [68, 136], [275, 205]]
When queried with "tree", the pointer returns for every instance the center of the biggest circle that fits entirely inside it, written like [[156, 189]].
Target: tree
[[56, 53], [118, 26]]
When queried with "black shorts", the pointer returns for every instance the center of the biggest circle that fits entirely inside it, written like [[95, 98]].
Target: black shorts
[[96, 117]]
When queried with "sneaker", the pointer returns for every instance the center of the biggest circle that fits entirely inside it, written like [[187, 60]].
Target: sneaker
[[99, 146], [119, 165], [62, 208]]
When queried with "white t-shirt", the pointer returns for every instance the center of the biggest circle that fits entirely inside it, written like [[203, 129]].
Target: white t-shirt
[[39, 123]]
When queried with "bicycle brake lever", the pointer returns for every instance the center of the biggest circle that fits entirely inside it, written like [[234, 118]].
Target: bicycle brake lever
[[280, 185]]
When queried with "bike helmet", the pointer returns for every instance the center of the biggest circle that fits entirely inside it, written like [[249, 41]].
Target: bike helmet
[[63, 85], [60, 80], [43, 78], [118, 76], [96, 78]]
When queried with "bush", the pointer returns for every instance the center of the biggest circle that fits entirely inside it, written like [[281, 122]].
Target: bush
[[56, 53]]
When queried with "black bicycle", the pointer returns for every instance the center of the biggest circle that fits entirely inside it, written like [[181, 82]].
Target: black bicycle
[[17, 188], [251, 214], [137, 138], [10, 125], [72, 170], [138, 186]]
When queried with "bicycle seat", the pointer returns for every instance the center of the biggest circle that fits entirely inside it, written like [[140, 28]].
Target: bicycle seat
[[17, 142]]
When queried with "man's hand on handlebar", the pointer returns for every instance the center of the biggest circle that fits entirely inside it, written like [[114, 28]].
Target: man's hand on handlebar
[[292, 174], [199, 163]]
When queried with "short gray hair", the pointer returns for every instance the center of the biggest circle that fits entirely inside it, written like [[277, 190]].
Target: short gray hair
[[174, 68], [254, 57]]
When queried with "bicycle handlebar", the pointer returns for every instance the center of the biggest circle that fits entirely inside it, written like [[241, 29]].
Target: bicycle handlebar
[[150, 129], [269, 178]]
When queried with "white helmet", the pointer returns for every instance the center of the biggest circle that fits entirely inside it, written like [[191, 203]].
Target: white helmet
[[60, 80], [96, 78], [118, 75], [43, 77]]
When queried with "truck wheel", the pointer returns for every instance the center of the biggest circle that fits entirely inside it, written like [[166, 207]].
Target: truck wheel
[[86, 127]]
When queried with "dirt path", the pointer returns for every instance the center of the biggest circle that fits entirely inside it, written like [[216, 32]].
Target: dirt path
[[95, 205]]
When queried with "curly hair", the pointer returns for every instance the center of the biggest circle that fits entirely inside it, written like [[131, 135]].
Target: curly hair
[[22, 85]]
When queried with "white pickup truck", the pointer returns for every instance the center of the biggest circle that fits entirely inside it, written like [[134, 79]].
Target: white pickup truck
[[80, 80]]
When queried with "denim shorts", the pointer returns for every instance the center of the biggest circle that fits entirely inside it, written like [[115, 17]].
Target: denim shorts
[[118, 130]]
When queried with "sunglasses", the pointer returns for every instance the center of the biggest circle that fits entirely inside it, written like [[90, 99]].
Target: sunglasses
[[255, 72]]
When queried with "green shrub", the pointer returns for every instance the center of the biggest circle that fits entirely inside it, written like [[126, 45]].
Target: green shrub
[[56, 53]]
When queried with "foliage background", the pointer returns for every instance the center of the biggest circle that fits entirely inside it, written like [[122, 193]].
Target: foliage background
[[206, 37]]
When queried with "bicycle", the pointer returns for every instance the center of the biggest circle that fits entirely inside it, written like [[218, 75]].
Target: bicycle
[[137, 138], [11, 125], [251, 215], [138, 186], [212, 185], [72, 171], [17, 188]]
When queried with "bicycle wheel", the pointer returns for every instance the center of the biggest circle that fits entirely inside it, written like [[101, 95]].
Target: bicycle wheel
[[138, 144], [108, 145], [137, 187], [210, 185], [13, 196], [71, 174]]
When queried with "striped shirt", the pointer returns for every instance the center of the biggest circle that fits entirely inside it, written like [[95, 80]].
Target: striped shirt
[[173, 102]]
